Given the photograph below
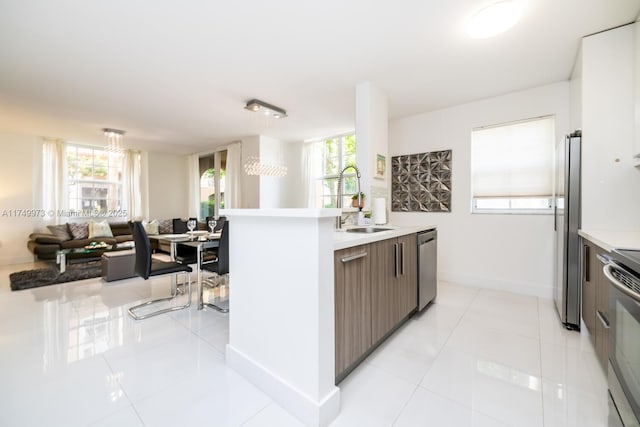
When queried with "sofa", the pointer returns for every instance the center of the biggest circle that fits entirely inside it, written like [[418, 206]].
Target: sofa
[[73, 235], [44, 245]]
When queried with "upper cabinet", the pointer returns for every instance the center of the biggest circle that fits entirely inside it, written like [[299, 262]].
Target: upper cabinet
[[604, 98]]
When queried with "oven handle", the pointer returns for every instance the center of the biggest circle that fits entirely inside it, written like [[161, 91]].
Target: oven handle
[[622, 288]]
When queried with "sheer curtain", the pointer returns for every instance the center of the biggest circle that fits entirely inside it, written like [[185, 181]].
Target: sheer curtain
[[131, 191], [53, 179], [193, 170], [312, 158], [233, 175]]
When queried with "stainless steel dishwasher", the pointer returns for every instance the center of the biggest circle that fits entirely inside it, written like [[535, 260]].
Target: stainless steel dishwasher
[[427, 267]]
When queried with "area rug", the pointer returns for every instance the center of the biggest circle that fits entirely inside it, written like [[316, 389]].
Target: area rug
[[51, 275]]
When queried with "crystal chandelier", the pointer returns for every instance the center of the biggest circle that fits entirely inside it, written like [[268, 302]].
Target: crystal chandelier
[[253, 166], [114, 140]]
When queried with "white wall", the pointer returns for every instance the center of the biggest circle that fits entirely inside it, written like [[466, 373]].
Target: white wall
[[510, 252], [610, 183], [168, 195], [20, 188]]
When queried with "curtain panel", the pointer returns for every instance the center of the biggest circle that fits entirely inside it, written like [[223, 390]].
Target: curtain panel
[[53, 179], [233, 176], [131, 189]]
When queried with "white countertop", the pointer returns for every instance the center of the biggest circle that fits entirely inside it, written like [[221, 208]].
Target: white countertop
[[343, 239], [610, 240], [282, 213]]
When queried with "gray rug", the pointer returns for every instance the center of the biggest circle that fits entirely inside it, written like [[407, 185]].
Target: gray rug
[[51, 275]]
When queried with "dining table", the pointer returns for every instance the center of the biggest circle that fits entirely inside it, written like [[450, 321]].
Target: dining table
[[198, 240]]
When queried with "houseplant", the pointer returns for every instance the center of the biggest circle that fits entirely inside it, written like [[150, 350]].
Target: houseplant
[[354, 200]]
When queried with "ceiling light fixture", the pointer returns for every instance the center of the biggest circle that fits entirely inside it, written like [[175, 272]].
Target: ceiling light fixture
[[494, 19], [258, 106], [253, 166], [114, 140]]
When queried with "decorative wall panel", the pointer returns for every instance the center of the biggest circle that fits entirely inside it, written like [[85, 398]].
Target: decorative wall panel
[[421, 182]]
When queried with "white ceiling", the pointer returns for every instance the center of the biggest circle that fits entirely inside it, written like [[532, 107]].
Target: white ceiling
[[176, 74]]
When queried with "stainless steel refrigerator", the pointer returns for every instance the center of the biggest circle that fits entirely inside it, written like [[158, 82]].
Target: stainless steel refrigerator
[[567, 223]]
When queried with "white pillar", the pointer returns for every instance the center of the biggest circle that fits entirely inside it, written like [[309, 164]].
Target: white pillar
[[372, 138]]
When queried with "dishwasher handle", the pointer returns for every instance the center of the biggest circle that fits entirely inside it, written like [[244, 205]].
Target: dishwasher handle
[[427, 236]]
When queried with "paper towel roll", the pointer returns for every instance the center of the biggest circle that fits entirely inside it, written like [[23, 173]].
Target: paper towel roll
[[379, 210]]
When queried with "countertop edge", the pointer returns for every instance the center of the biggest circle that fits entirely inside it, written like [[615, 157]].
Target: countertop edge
[[344, 240], [610, 240]]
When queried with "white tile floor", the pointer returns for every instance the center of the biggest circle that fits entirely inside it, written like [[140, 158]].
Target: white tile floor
[[71, 356]]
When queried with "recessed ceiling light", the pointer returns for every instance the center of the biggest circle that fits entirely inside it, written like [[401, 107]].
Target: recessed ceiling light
[[494, 19]]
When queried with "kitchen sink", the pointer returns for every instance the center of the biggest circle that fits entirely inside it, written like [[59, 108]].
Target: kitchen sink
[[366, 230]]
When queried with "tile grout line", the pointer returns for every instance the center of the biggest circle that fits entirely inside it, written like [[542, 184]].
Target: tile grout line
[[131, 404]]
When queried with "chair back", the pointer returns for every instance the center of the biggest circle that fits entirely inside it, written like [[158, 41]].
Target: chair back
[[219, 222], [223, 250], [180, 225], [142, 265]]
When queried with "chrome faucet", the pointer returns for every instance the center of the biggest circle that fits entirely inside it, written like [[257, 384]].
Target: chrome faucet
[[339, 201]]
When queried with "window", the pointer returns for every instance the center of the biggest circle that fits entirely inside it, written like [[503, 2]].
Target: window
[[94, 180], [211, 200], [336, 153], [512, 167]]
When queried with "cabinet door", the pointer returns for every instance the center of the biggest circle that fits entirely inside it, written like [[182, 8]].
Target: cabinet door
[[407, 280], [383, 287], [602, 310], [394, 283], [589, 261], [352, 305]]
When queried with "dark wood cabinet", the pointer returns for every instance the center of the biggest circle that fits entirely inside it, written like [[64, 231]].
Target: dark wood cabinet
[[589, 286], [394, 283], [383, 289], [595, 299], [602, 311], [352, 305], [370, 304], [407, 280]]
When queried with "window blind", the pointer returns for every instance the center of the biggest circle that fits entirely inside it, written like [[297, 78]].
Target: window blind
[[513, 160]]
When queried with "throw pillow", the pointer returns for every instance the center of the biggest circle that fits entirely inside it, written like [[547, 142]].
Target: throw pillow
[[99, 229], [165, 226], [79, 230], [60, 231], [151, 227]]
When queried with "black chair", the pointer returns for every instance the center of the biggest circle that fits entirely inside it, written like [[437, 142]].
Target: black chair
[[219, 265], [219, 223], [146, 267], [184, 254]]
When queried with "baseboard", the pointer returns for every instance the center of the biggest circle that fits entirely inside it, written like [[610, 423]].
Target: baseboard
[[16, 260], [297, 403], [525, 288]]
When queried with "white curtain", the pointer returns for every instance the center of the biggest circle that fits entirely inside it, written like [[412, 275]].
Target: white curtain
[[53, 179], [312, 158], [193, 170], [131, 191], [233, 176]]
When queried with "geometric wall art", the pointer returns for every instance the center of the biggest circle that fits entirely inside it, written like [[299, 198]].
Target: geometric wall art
[[421, 182]]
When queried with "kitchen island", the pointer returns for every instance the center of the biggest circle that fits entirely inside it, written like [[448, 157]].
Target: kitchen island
[[282, 304]]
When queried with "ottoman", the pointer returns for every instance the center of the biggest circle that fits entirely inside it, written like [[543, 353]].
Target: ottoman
[[118, 265]]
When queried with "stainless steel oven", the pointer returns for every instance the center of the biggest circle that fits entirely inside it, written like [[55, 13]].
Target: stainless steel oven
[[623, 272]]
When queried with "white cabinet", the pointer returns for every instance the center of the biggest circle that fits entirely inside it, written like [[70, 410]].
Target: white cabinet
[[610, 183], [636, 76]]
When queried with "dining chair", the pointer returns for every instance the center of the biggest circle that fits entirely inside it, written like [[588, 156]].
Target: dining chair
[[184, 254], [218, 265], [145, 266], [219, 222]]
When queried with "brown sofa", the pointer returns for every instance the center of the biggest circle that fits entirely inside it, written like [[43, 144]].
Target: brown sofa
[[45, 245]]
